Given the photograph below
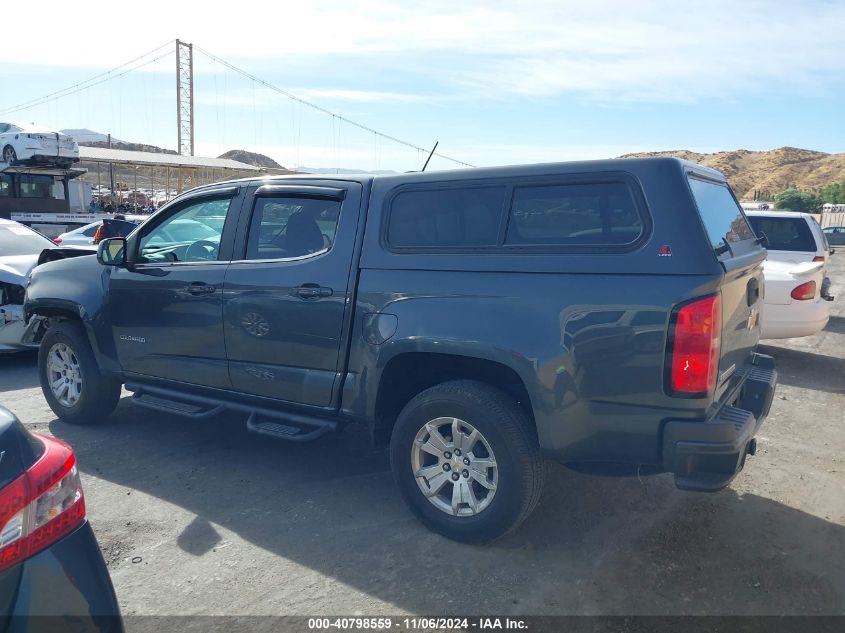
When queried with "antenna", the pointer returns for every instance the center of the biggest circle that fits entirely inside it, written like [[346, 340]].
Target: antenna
[[430, 155]]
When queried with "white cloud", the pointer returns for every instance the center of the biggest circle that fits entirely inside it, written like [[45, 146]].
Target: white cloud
[[659, 50], [264, 98], [359, 96]]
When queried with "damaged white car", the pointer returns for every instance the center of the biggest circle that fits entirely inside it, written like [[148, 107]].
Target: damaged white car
[[20, 248]]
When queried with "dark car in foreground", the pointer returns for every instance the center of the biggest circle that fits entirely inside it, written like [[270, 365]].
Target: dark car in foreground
[[478, 321], [52, 574]]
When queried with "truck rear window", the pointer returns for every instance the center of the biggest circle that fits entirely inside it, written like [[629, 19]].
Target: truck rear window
[[453, 217], [573, 214], [720, 213], [785, 234], [553, 215]]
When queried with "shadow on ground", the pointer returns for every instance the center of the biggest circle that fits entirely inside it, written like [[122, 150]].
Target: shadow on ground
[[595, 545], [799, 368], [19, 370], [836, 324]]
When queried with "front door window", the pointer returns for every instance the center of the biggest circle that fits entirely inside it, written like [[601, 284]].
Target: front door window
[[192, 234]]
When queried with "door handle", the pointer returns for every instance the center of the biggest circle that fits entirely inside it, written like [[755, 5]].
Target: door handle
[[200, 288], [312, 291]]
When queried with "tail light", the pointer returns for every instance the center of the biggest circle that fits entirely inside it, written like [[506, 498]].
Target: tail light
[[695, 346], [804, 292], [41, 506], [818, 258], [58, 240]]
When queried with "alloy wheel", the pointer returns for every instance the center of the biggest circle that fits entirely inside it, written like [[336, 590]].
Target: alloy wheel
[[454, 466], [64, 374]]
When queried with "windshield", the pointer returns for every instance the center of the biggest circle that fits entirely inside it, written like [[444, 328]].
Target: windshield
[[16, 239]]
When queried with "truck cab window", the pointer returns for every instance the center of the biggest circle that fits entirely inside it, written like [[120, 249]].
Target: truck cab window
[[192, 234], [35, 186], [289, 227]]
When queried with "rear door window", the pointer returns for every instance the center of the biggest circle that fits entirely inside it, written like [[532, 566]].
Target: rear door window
[[785, 234], [721, 214], [292, 227]]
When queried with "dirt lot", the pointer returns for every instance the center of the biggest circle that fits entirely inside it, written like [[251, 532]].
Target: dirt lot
[[202, 518]]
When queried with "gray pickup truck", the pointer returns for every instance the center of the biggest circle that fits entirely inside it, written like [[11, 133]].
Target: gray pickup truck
[[603, 314]]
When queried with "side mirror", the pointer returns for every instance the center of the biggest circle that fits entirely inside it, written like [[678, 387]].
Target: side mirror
[[112, 252]]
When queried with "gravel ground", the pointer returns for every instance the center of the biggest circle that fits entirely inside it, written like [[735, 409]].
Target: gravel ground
[[203, 518]]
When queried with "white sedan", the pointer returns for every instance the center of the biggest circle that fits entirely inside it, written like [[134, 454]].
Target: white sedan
[[21, 144], [83, 237], [792, 304]]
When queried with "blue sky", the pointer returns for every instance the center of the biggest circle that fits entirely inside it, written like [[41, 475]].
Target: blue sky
[[494, 82]]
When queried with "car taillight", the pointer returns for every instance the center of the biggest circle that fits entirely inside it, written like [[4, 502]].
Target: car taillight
[[818, 258], [804, 292], [42, 505], [695, 347], [58, 240]]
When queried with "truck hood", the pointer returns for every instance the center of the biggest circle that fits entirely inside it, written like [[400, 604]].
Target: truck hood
[[14, 269]]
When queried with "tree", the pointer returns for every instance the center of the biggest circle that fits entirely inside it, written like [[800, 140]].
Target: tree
[[795, 200], [834, 193]]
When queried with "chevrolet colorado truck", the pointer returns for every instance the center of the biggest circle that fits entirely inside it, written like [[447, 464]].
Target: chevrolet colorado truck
[[601, 314]]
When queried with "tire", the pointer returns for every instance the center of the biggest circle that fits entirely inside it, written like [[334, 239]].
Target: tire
[[65, 347], [505, 431], [9, 155]]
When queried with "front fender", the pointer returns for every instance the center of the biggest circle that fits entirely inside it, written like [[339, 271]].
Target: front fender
[[76, 288]]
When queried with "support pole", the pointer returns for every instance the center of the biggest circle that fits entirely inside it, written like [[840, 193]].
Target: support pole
[[185, 97], [111, 180]]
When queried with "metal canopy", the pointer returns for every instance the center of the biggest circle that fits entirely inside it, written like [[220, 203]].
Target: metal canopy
[[105, 155], [56, 172]]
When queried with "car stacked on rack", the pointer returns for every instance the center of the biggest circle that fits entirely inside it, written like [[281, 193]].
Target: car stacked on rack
[[27, 144]]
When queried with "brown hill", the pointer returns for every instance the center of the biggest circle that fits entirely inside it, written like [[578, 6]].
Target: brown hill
[[251, 158], [133, 147], [767, 173]]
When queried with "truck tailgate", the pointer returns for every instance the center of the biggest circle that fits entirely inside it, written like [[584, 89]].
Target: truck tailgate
[[742, 301]]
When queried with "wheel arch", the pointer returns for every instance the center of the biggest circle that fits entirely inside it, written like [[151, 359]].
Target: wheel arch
[[410, 372], [64, 310]]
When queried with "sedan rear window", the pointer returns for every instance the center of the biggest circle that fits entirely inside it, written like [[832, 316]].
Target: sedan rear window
[[785, 234], [720, 213]]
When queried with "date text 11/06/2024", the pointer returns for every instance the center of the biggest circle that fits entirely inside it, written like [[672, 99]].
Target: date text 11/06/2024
[[384, 624]]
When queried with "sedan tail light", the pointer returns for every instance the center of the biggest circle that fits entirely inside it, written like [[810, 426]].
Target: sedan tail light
[[818, 258], [57, 240], [42, 505], [695, 347], [804, 292]]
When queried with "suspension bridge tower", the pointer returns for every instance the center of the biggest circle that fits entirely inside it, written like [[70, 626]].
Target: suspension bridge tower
[[185, 97]]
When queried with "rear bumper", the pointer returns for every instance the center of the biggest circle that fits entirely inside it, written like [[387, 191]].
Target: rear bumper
[[64, 155], [799, 318], [706, 456]]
